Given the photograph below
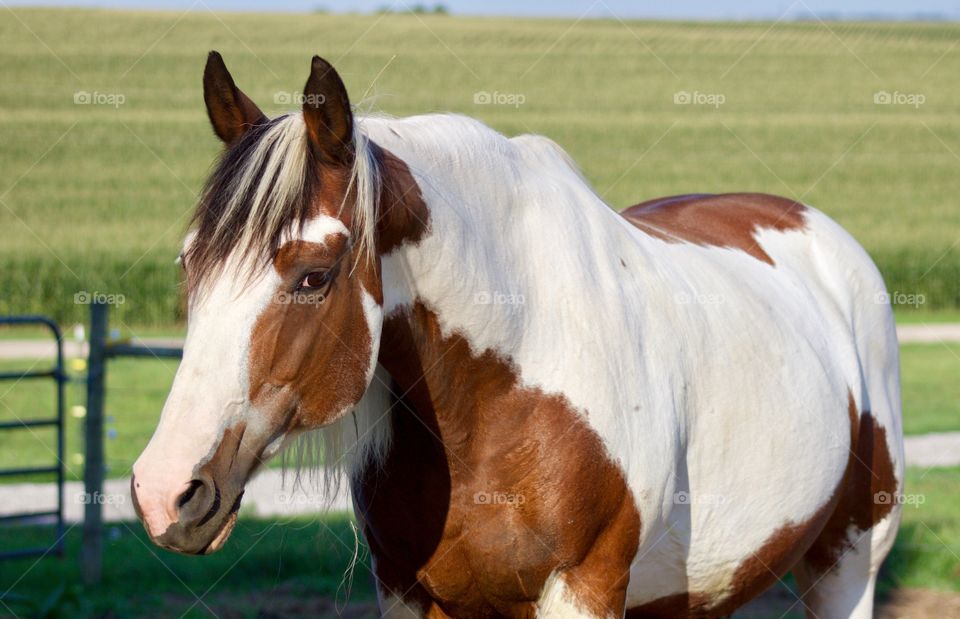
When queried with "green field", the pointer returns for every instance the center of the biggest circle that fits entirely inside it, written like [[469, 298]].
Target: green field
[[95, 197]]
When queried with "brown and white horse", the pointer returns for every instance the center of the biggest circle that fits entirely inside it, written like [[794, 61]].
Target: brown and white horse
[[588, 414]]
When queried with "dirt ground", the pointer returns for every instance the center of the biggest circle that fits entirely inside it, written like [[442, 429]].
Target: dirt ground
[[780, 603]]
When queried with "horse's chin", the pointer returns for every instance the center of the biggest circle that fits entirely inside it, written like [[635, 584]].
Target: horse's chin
[[221, 537]]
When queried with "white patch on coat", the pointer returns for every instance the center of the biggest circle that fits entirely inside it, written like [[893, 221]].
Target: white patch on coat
[[557, 601], [210, 391], [393, 607]]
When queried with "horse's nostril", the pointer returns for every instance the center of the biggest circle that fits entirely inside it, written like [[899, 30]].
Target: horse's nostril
[[189, 493]]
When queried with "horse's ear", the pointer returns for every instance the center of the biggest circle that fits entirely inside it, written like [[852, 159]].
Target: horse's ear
[[326, 111], [231, 112]]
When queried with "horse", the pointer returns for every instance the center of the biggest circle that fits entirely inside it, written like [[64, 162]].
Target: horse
[[544, 407]]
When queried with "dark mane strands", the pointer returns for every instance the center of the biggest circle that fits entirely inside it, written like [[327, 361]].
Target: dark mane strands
[[220, 230]]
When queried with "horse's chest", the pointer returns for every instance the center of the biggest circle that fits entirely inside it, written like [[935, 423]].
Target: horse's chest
[[480, 532]]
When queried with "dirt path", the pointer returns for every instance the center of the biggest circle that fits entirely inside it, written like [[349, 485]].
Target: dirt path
[[46, 348], [268, 495], [285, 602], [780, 603]]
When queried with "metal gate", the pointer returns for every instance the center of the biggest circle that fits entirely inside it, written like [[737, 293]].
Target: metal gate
[[57, 374]]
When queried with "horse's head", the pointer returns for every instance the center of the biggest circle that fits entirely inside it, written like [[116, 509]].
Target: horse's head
[[284, 298]]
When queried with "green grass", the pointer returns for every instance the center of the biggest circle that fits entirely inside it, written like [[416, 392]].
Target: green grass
[[95, 198], [927, 550], [931, 391], [136, 391], [913, 317], [291, 558]]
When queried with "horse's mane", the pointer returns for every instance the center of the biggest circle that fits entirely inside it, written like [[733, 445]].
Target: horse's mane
[[263, 188]]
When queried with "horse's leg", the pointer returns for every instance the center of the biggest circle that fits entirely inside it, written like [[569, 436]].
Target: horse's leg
[[838, 573], [567, 596], [399, 595], [846, 589], [408, 605], [597, 586]]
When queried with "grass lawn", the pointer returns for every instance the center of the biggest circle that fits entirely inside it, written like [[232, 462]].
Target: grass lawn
[[927, 551], [95, 197], [931, 388], [292, 558], [909, 316]]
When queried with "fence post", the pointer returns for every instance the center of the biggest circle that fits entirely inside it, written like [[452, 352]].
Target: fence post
[[91, 552]]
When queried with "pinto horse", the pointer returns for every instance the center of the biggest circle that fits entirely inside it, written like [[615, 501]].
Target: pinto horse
[[544, 408]]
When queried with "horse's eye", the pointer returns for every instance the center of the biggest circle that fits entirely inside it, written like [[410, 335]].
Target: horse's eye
[[314, 280]]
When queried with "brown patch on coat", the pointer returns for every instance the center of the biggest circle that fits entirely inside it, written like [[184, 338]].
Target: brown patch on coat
[[402, 216], [310, 351], [867, 496], [725, 220], [490, 486]]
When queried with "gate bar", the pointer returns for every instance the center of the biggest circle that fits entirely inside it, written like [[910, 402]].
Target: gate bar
[[91, 551], [59, 376]]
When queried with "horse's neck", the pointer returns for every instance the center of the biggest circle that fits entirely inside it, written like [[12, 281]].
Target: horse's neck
[[511, 280], [506, 223]]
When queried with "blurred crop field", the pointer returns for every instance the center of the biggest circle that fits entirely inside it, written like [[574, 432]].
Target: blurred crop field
[[105, 141]]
